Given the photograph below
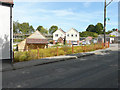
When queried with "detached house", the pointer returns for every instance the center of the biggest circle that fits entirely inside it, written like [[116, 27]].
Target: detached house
[[6, 29], [58, 36], [34, 41], [71, 37]]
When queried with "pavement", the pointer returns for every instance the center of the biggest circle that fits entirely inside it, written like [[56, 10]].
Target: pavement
[[94, 71], [19, 65]]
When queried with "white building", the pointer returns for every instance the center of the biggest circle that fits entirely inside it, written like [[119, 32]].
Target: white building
[[6, 29], [115, 33], [71, 37], [58, 34]]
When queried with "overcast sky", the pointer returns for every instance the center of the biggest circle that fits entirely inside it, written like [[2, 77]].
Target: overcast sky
[[65, 15]]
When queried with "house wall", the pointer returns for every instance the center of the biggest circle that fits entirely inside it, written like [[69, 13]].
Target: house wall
[[22, 45], [60, 34], [74, 33], [5, 30], [72, 39]]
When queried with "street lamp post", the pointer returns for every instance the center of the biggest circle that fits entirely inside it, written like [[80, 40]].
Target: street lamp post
[[105, 19]]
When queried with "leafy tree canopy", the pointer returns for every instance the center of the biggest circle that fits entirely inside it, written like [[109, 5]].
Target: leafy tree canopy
[[53, 29], [23, 28], [91, 28], [87, 33], [99, 28], [42, 30]]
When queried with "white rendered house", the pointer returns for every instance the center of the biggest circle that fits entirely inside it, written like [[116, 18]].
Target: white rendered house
[[6, 29], [58, 34], [72, 36]]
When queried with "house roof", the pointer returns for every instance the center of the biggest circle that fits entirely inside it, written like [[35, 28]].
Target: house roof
[[36, 38], [36, 41], [7, 1], [116, 33], [73, 29], [62, 30], [60, 38], [36, 35]]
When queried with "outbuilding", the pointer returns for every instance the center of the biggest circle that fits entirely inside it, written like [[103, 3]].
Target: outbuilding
[[34, 41]]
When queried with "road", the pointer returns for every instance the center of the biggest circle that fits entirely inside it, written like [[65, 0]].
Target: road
[[97, 71]]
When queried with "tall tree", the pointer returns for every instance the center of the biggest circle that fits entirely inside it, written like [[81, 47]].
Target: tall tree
[[24, 28], [15, 27], [31, 29], [53, 29], [91, 28], [99, 28], [42, 30]]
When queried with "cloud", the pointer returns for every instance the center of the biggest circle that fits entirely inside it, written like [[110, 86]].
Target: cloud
[[64, 17]]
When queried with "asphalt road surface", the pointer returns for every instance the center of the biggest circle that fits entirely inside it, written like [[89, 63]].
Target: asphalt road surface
[[97, 71]]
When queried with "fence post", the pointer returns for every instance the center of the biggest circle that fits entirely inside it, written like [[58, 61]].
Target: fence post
[[72, 49], [108, 44], [102, 45], [57, 51], [13, 57], [38, 52], [95, 46]]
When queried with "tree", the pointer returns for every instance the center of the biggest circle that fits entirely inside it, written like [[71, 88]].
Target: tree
[[99, 28], [42, 30], [53, 29], [31, 29], [108, 32], [24, 28], [87, 33], [15, 27], [91, 28]]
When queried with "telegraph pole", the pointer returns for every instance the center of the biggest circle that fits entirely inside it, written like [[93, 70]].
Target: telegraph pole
[[105, 20]]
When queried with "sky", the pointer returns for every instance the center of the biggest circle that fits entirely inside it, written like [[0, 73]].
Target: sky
[[65, 15]]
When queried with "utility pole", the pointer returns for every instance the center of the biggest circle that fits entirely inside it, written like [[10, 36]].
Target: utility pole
[[104, 23], [105, 20]]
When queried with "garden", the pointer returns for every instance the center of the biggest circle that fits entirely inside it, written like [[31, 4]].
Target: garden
[[55, 51]]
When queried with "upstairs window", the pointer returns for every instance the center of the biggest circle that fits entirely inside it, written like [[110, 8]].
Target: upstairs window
[[71, 35], [56, 35], [76, 35]]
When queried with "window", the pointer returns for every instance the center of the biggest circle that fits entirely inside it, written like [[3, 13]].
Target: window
[[56, 35], [76, 35], [71, 35], [68, 35]]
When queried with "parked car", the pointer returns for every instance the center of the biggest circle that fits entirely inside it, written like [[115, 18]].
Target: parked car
[[84, 43]]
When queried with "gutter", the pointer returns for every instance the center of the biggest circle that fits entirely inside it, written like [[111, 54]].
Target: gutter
[[6, 4]]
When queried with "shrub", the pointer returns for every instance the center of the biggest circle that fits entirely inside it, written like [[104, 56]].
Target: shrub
[[49, 52], [65, 48], [61, 52]]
